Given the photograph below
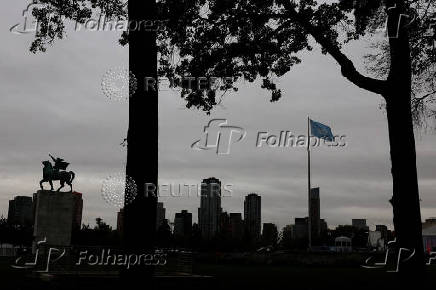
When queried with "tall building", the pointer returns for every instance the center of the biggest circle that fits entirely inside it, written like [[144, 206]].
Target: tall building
[[359, 224], [77, 210], [160, 214], [286, 238], [300, 229], [21, 211], [269, 234], [210, 208], [183, 225], [236, 226], [323, 226], [252, 215], [225, 226], [429, 222], [314, 211], [383, 230], [120, 221]]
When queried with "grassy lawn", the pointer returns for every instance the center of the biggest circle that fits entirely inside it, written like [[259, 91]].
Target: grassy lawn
[[305, 278], [226, 276]]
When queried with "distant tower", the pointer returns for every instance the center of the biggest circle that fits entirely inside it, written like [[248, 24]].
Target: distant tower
[[300, 228], [269, 234], [383, 230], [210, 208], [359, 224], [225, 226], [323, 226], [160, 214], [120, 221], [314, 210], [252, 216], [237, 226], [183, 225], [21, 211]]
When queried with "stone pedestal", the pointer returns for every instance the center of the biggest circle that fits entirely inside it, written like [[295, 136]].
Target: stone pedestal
[[53, 213]]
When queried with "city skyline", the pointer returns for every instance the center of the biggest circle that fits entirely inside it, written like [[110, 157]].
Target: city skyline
[[356, 180], [182, 225], [163, 214]]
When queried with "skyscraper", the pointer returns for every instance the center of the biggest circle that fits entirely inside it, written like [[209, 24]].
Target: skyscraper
[[21, 211], [210, 208], [324, 227], [286, 238], [359, 224], [429, 222], [383, 230], [299, 229], [183, 225], [225, 226], [120, 221], [314, 210], [269, 234], [160, 214], [252, 216], [237, 226]]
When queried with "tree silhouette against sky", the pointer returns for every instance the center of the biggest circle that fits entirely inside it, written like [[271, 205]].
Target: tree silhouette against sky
[[255, 39]]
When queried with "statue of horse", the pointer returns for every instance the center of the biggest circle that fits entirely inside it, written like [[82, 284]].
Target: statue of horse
[[49, 174]]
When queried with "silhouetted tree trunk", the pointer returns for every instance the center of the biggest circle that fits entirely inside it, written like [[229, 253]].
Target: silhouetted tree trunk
[[142, 138], [405, 200]]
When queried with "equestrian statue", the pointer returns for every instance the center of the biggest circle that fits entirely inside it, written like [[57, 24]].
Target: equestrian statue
[[56, 172]]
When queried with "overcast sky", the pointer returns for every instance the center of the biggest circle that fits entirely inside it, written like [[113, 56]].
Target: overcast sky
[[53, 103]]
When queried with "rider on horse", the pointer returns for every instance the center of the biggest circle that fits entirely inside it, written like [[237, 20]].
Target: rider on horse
[[59, 164], [56, 172]]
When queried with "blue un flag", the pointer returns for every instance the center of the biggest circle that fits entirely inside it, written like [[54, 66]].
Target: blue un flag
[[321, 131]]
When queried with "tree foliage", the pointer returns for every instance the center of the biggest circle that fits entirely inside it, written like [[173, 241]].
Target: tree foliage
[[241, 39]]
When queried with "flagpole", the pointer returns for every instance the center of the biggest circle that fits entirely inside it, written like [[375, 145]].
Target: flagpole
[[308, 184]]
